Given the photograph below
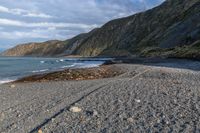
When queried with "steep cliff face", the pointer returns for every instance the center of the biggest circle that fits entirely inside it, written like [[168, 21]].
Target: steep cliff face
[[173, 23]]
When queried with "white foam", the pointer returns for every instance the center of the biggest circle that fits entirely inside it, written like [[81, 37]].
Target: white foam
[[82, 65], [61, 60], [68, 66], [5, 81], [37, 71], [85, 65], [42, 62], [90, 65]]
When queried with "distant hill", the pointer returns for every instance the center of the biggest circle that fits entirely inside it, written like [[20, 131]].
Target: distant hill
[[167, 30]]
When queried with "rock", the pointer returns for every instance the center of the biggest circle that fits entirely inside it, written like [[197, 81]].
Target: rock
[[92, 113], [12, 86], [89, 113], [2, 116], [75, 109], [53, 119], [40, 131], [95, 113], [131, 120], [137, 100]]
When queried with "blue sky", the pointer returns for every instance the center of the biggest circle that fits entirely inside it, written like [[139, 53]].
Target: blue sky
[[40, 20]]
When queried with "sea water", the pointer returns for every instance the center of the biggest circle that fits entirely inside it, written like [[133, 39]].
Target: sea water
[[12, 68]]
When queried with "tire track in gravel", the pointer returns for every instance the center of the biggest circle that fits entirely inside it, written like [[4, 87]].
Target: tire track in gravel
[[46, 100], [66, 108]]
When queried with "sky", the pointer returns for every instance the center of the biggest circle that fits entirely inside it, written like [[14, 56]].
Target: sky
[[23, 21]]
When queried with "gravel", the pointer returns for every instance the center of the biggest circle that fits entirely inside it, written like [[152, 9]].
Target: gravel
[[146, 98]]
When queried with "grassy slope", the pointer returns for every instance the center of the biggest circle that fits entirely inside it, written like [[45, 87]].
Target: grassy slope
[[187, 51]]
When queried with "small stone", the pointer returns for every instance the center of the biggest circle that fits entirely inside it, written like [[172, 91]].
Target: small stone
[[75, 109], [89, 113], [2, 116], [92, 113], [12, 86], [158, 121], [40, 131], [18, 115], [137, 100], [95, 113], [131, 120]]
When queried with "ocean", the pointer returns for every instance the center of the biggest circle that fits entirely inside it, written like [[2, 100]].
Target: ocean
[[13, 68]]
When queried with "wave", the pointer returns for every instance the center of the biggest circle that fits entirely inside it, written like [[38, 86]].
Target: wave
[[82, 65], [37, 71], [68, 66], [90, 65], [61, 60], [6, 81], [42, 62]]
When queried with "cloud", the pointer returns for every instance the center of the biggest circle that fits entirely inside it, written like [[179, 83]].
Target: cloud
[[41, 33], [40, 15], [10, 22], [18, 35], [25, 13], [37, 33]]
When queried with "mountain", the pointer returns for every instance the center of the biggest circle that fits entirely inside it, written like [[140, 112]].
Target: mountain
[[172, 26]]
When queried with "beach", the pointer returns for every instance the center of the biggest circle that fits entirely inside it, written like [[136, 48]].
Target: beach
[[155, 97]]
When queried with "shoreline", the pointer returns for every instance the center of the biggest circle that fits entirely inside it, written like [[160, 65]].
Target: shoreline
[[76, 74], [106, 70], [77, 63]]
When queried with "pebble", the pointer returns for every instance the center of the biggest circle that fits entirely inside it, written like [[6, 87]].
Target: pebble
[[137, 100], [2, 116], [40, 131], [131, 120], [12, 86], [95, 113], [53, 119], [75, 109], [92, 113]]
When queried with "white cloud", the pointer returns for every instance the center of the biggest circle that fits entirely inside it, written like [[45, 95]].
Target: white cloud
[[24, 13], [21, 35], [4, 9], [10, 22], [44, 33], [40, 15]]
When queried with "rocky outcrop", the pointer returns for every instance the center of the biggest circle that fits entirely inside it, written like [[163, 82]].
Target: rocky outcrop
[[173, 23]]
